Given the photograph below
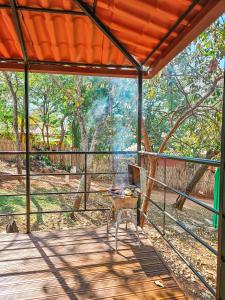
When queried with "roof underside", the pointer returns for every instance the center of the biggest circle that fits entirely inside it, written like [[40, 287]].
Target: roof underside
[[59, 37]]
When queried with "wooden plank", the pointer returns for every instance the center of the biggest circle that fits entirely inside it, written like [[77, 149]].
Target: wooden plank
[[70, 250], [91, 231], [156, 295], [99, 290], [74, 239], [149, 268], [56, 243], [82, 265], [71, 261], [13, 242], [11, 282], [90, 282], [88, 241], [86, 232]]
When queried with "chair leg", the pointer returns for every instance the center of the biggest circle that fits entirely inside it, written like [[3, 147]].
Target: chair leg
[[118, 222], [138, 236], [134, 221], [116, 235], [108, 219]]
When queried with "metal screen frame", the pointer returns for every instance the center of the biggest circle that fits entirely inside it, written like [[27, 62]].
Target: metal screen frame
[[221, 233], [90, 12]]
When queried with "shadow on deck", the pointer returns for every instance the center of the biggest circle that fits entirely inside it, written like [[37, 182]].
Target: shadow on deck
[[82, 264]]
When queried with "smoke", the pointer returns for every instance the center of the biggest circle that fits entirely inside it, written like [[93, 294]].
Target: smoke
[[97, 111], [113, 106], [124, 114]]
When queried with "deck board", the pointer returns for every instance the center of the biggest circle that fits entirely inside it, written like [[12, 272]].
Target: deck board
[[82, 264]]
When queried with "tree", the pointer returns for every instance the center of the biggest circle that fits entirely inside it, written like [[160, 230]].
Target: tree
[[176, 122], [47, 109], [13, 82], [187, 91], [89, 137], [193, 181]]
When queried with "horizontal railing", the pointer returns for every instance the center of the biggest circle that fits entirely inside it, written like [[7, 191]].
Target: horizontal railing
[[84, 173], [70, 152], [202, 161], [188, 197], [166, 187], [85, 192]]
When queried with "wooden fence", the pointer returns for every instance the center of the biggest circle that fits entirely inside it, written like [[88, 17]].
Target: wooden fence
[[7, 145], [69, 160], [177, 174]]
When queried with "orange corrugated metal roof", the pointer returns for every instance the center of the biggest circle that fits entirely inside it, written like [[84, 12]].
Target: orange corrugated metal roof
[[65, 37]]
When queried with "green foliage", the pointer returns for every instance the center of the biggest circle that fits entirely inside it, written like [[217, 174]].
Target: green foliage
[[109, 104], [6, 104], [46, 161], [188, 78], [51, 106]]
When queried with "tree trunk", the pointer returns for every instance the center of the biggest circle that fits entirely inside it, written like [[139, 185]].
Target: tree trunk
[[84, 141], [43, 134], [152, 165], [22, 131], [15, 124], [76, 135], [47, 135], [114, 170], [79, 197], [62, 133], [76, 144], [180, 201], [90, 160], [150, 185], [180, 120]]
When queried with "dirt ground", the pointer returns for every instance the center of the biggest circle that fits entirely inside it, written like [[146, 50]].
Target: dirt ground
[[199, 221], [193, 216]]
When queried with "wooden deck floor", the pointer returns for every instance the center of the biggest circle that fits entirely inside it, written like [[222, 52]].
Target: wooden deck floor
[[81, 264]]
